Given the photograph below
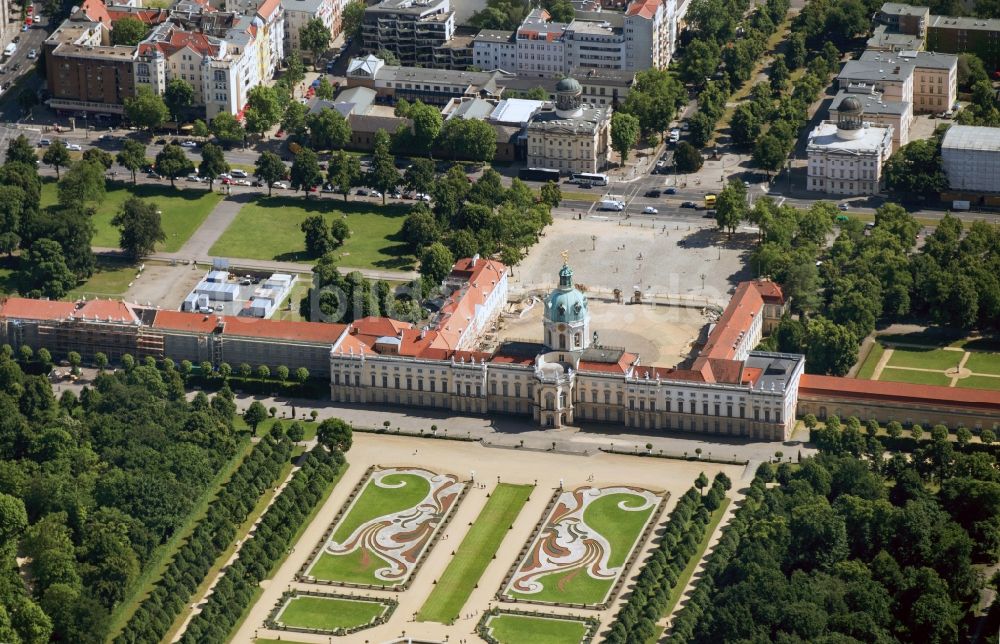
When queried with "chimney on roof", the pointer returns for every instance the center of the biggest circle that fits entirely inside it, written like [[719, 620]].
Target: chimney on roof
[[475, 258]]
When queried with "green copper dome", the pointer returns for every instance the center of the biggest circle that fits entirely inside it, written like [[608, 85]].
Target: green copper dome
[[569, 85], [566, 303]]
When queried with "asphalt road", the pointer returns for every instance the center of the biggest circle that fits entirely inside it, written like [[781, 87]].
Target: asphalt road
[[24, 76]]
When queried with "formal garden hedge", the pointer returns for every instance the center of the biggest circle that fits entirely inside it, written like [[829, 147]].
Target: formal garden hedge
[[233, 594], [636, 621], [210, 538], [686, 618]]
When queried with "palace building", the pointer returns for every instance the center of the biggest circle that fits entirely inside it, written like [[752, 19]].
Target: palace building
[[569, 378]]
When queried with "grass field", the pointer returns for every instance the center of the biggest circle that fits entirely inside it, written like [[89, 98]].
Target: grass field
[[110, 280], [522, 629], [867, 369], [329, 613], [474, 555], [915, 377], [928, 358], [979, 382], [373, 502], [183, 210], [270, 228], [621, 528], [299, 291], [988, 363]]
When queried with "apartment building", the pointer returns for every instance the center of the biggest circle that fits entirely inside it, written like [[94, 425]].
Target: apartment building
[[84, 72], [300, 12], [410, 29], [642, 37], [934, 84], [945, 34]]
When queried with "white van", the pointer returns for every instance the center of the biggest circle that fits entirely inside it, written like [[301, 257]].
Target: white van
[[10, 49], [611, 204]]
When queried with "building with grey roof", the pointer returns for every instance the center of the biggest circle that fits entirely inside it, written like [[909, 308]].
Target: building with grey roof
[[847, 157], [895, 114], [883, 39], [935, 77], [970, 156], [432, 86]]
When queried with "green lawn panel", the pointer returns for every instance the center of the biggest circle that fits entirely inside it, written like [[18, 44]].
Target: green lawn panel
[[868, 368], [356, 567], [929, 358], [620, 527], [915, 377], [375, 501], [328, 613], [570, 587], [984, 363], [475, 553], [979, 382], [521, 629]]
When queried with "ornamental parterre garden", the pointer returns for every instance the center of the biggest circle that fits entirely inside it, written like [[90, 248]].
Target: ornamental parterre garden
[[530, 547]]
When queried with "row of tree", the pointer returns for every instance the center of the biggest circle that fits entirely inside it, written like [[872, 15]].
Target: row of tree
[[685, 528], [722, 38], [341, 299], [211, 536], [235, 591], [104, 480], [856, 548]]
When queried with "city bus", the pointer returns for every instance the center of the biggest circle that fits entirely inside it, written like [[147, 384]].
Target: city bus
[[710, 201], [592, 178], [538, 174]]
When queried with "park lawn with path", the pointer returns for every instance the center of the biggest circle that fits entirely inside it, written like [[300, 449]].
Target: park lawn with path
[[359, 566], [269, 228], [184, 210], [867, 369], [110, 280], [924, 358], [621, 528], [329, 613], [474, 555], [983, 362], [524, 629], [916, 377]]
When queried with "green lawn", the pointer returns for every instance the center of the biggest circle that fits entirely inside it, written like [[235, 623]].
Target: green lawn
[[373, 502], [8, 276], [110, 280], [270, 228], [475, 553], [980, 362], [620, 527], [183, 210], [929, 358], [522, 629], [915, 377], [308, 425], [979, 382], [299, 292], [329, 613], [868, 368]]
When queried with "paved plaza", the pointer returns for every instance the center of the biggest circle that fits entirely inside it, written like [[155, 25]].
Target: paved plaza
[[547, 471], [689, 259]]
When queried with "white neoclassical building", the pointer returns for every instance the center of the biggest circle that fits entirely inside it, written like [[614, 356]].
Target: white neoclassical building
[[847, 157]]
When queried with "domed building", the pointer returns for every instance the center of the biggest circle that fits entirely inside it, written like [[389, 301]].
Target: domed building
[[570, 136], [846, 156]]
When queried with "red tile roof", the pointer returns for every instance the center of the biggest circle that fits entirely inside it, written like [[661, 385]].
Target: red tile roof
[[622, 366], [240, 326], [97, 11], [179, 39], [268, 7], [734, 322], [644, 8], [105, 309], [24, 309], [834, 387]]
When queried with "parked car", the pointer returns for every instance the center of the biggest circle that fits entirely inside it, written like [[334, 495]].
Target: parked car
[[284, 185], [189, 144], [375, 193], [649, 210], [670, 191], [423, 197], [226, 175], [226, 181], [710, 213], [194, 178], [152, 175], [32, 54], [843, 206], [689, 204], [239, 174], [653, 193], [328, 188], [362, 192], [44, 142], [74, 147]]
